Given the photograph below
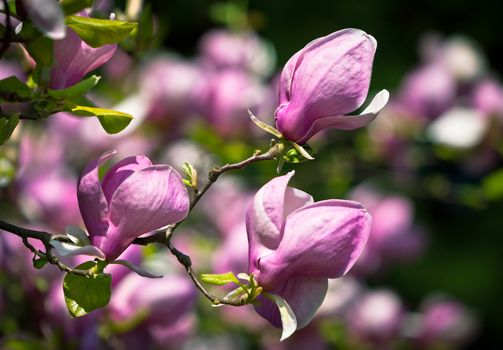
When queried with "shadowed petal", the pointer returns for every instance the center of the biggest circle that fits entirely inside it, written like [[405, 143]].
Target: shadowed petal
[[303, 294], [92, 203], [349, 122], [149, 199], [266, 215], [323, 239]]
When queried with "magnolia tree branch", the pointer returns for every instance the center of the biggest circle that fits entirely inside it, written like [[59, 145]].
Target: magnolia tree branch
[[45, 238], [163, 237]]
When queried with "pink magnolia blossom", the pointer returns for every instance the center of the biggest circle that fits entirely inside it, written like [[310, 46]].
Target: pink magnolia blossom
[[223, 49], [447, 322], [327, 79], [134, 198], [428, 91], [296, 245], [487, 97], [74, 59], [376, 317], [167, 303]]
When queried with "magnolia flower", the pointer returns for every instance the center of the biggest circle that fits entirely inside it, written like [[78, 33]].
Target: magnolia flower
[[325, 80], [296, 245], [74, 59], [376, 317], [134, 197]]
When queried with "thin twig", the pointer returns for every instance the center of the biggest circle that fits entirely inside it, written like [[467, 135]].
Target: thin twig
[[45, 238], [163, 237]]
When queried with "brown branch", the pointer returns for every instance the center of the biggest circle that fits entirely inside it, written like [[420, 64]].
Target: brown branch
[[164, 237], [45, 238]]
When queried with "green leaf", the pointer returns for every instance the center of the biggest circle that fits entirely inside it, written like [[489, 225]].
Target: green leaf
[[39, 263], [112, 121], [219, 279], [85, 294], [13, 89], [7, 126], [76, 90], [98, 32], [73, 6], [40, 48]]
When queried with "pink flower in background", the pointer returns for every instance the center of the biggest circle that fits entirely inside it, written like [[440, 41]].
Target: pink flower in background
[[327, 79], [167, 85], [393, 236], [487, 97], [166, 303], [223, 49], [74, 59], [376, 317], [134, 198], [428, 91], [296, 245], [445, 322], [223, 98]]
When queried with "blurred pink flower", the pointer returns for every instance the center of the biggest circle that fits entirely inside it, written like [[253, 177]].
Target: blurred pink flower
[[376, 318], [166, 86], [445, 322], [487, 97], [428, 91], [167, 303], [393, 236], [223, 98], [223, 49]]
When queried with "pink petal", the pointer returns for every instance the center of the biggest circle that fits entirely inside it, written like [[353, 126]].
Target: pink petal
[[323, 239], [92, 203], [304, 295], [147, 200], [120, 172], [348, 122], [266, 215]]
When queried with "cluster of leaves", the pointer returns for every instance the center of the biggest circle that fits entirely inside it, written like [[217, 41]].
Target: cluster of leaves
[[36, 38]]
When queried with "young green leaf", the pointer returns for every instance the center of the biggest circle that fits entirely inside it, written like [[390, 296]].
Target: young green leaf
[[7, 126], [85, 294], [73, 6], [13, 89], [112, 121], [39, 263], [219, 279], [98, 32], [76, 90]]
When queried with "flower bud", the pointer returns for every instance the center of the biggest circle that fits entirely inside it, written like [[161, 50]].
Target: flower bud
[[134, 198], [325, 80]]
